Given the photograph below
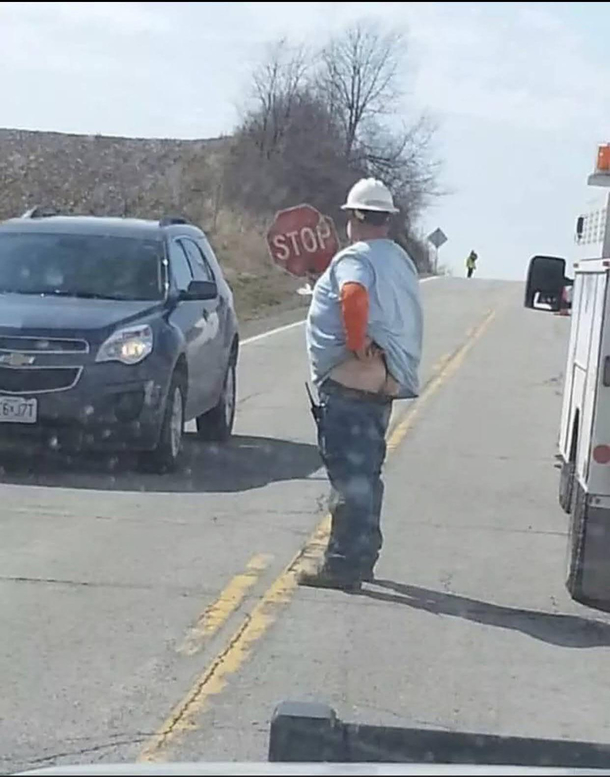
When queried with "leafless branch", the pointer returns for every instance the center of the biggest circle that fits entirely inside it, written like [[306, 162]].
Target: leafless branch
[[359, 74], [317, 124]]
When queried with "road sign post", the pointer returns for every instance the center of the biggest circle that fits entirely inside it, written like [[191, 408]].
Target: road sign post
[[302, 241], [437, 239]]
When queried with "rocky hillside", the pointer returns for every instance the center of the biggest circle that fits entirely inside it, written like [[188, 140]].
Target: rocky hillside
[[96, 174], [93, 174]]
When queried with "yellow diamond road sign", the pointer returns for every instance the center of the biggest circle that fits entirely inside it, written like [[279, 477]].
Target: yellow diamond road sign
[[437, 238]]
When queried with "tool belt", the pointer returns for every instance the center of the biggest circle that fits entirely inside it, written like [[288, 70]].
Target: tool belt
[[331, 386]]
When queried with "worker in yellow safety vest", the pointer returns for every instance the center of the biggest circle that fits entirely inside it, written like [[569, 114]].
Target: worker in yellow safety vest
[[471, 264]]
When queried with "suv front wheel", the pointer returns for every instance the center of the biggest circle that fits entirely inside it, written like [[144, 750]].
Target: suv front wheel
[[164, 458], [217, 423]]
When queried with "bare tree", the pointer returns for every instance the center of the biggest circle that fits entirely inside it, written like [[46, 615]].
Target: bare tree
[[359, 79], [359, 76], [404, 160], [316, 126], [276, 84]]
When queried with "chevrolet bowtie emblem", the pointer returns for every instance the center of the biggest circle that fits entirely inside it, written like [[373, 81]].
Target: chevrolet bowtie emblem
[[16, 359]]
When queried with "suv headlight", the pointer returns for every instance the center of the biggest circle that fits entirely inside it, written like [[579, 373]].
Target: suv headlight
[[128, 346]]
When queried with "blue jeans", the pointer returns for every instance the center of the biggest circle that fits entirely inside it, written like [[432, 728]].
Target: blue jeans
[[351, 439]]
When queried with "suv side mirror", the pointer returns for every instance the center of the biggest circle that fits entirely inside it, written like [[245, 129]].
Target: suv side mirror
[[199, 290], [546, 281]]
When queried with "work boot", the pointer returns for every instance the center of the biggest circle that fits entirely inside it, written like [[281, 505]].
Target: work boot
[[366, 570], [326, 578]]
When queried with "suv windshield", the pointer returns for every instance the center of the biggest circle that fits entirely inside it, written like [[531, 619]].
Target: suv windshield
[[94, 266]]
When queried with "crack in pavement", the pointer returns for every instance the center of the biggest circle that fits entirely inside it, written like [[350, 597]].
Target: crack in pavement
[[183, 712], [136, 739], [224, 519], [500, 529], [97, 584]]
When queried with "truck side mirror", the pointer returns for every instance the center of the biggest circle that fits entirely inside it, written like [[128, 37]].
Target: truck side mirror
[[544, 288], [580, 227]]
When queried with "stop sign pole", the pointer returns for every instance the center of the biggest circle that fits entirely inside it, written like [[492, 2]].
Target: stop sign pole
[[302, 241]]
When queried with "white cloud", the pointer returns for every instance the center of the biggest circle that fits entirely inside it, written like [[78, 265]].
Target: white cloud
[[522, 66], [126, 18], [518, 64], [58, 40], [520, 93]]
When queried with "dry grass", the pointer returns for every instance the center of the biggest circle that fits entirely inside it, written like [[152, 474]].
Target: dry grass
[[258, 285]]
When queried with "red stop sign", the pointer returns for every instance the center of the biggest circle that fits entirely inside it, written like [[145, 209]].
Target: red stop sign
[[302, 241]]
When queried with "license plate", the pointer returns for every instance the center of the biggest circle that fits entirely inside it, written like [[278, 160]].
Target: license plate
[[16, 410]]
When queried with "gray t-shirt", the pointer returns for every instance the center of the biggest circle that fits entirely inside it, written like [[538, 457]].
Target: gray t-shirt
[[395, 312]]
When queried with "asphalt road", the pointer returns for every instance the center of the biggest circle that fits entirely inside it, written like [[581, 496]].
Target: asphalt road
[[157, 618]]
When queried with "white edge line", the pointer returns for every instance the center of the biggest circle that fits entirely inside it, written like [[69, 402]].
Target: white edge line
[[285, 328], [279, 329]]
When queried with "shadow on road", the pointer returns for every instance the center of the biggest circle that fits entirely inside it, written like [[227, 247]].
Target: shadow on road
[[570, 631], [239, 465]]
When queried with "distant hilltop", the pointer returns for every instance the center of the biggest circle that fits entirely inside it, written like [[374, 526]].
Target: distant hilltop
[[104, 175], [147, 178]]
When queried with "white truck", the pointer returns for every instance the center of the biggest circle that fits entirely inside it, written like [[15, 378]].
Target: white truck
[[584, 437]]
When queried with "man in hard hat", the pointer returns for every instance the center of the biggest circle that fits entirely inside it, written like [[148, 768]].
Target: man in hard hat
[[471, 263], [364, 334]]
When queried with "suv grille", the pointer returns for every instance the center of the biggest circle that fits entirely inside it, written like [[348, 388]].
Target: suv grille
[[32, 380], [42, 345]]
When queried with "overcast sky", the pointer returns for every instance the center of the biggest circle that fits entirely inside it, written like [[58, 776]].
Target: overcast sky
[[520, 92]]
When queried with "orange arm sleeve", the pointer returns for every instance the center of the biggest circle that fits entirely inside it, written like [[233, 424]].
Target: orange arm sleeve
[[355, 314]]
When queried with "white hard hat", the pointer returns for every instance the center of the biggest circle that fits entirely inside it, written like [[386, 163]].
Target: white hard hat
[[370, 194]]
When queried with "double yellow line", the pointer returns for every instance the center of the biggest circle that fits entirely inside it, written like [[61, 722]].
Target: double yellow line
[[235, 653], [227, 603]]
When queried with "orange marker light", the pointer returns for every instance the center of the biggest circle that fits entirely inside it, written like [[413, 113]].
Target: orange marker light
[[603, 158]]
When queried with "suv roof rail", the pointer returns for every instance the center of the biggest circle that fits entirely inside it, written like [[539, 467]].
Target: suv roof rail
[[168, 221], [40, 212]]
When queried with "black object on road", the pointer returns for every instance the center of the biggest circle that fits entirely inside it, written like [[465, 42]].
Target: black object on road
[[308, 732]]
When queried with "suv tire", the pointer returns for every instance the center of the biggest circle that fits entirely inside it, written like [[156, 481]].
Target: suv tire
[[217, 424], [166, 455]]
